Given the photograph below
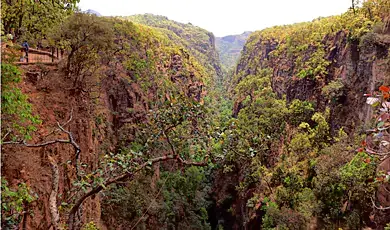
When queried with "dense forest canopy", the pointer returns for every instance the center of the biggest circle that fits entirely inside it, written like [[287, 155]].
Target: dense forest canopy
[[141, 122]]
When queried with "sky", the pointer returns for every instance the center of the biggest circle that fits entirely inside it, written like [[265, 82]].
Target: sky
[[224, 17]]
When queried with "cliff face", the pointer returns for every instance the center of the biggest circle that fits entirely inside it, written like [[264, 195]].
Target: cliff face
[[278, 163], [31, 165], [330, 63], [360, 64], [146, 71]]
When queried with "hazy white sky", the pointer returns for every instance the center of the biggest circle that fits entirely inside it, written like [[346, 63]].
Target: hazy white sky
[[224, 17]]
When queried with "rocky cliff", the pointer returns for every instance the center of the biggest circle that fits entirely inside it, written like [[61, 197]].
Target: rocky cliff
[[302, 69], [327, 66], [145, 70], [133, 133]]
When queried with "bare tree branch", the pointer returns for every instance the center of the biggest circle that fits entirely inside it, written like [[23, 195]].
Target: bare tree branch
[[170, 143], [24, 143], [3, 138], [68, 141], [70, 118], [125, 176], [75, 146], [380, 207], [55, 180], [60, 127], [384, 187]]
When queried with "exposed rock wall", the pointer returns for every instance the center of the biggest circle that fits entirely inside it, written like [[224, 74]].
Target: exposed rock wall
[[359, 64], [102, 119], [31, 165]]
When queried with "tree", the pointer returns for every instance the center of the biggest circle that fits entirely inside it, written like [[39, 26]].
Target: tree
[[175, 119], [14, 203], [33, 19], [354, 4], [170, 135], [88, 40]]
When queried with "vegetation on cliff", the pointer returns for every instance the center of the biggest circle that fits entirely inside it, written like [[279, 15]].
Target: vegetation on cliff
[[164, 121], [199, 42], [292, 88]]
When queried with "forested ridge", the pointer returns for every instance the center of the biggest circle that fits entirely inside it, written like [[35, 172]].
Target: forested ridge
[[229, 49], [141, 122]]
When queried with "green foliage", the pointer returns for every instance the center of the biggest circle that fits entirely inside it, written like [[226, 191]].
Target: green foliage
[[284, 154], [14, 202], [17, 117], [307, 203], [88, 39], [155, 62], [283, 219], [174, 119], [300, 111], [312, 139], [126, 203], [318, 175], [90, 226], [361, 167], [378, 9], [33, 19], [185, 201], [301, 144], [259, 124], [181, 200], [333, 90], [305, 45], [196, 41]]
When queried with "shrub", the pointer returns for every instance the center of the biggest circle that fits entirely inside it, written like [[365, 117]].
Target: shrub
[[90, 226], [333, 90], [17, 117], [14, 203], [300, 111]]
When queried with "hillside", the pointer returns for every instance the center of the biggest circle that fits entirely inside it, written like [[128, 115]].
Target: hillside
[[229, 48], [113, 106], [199, 42], [299, 102]]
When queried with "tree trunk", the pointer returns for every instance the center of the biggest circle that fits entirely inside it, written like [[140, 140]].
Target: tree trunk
[[55, 216], [70, 56]]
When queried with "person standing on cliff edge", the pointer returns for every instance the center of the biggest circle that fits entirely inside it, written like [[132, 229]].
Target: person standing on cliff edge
[[26, 47]]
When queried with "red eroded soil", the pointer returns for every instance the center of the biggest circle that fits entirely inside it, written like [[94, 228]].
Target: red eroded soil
[[53, 101]]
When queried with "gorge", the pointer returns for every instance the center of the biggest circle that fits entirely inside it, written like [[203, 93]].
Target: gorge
[[149, 123]]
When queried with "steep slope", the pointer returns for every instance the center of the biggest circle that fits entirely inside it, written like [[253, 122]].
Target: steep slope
[[306, 57], [199, 42], [229, 48], [141, 84], [296, 154]]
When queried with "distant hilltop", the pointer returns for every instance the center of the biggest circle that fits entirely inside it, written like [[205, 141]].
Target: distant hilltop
[[89, 11]]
